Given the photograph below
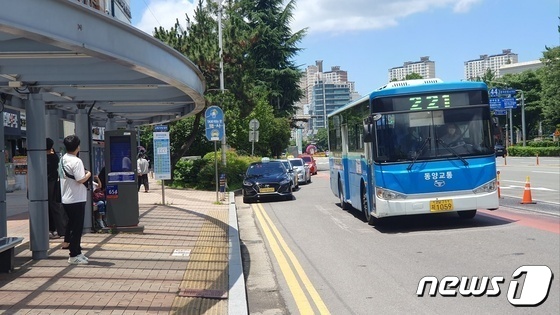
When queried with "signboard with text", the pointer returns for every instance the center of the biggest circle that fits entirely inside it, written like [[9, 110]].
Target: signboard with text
[[214, 122], [162, 156]]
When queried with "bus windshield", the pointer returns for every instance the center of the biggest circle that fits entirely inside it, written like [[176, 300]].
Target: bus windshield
[[426, 135]]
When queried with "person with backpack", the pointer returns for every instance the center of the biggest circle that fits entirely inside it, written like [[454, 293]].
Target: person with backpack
[[73, 175]]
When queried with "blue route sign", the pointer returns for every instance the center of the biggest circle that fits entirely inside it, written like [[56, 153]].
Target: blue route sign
[[500, 112], [160, 128], [509, 103], [507, 93], [214, 122], [502, 103]]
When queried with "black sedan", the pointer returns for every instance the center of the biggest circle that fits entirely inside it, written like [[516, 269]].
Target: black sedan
[[266, 179], [500, 150]]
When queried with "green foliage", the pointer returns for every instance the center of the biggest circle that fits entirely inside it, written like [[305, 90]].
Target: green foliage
[[258, 52], [550, 77], [321, 139], [533, 151], [413, 76], [201, 173], [544, 143]]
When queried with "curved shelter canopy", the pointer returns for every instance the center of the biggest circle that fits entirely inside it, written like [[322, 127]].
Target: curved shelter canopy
[[72, 54]]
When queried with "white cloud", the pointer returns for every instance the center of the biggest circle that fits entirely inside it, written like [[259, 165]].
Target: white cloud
[[156, 13], [317, 15]]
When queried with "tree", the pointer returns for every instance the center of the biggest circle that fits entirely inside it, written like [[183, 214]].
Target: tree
[[321, 139], [258, 48], [413, 76], [272, 49], [530, 84], [550, 95]]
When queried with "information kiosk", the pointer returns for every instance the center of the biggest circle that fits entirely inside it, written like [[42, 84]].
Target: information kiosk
[[122, 181]]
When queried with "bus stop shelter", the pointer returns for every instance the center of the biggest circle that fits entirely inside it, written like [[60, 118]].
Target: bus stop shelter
[[61, 60]]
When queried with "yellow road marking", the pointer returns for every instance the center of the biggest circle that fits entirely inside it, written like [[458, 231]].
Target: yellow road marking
[[301, 273]]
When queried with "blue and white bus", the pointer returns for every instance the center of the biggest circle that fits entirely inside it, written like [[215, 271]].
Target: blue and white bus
[[393, 152]]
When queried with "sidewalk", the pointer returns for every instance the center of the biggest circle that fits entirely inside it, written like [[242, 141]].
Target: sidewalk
[[187, 261]]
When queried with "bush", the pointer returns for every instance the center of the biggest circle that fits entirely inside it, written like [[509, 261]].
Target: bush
[[543, 144], [200, 174], [533, 151]]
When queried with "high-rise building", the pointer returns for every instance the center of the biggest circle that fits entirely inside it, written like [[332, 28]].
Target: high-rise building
[[425, 67], [324, 92], [478, 67]]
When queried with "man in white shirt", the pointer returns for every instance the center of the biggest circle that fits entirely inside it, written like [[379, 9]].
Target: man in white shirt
[[74, 196], [143, 169]]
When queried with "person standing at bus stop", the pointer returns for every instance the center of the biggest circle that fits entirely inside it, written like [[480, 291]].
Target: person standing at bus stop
[[74, 196], [57, 216], [143, 167]]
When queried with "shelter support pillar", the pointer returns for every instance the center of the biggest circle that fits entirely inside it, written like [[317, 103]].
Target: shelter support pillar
[[3, 210], [52, 125], [84, 133], [37, 176]]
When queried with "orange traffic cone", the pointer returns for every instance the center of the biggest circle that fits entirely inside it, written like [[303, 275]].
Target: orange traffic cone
[[527, 193]]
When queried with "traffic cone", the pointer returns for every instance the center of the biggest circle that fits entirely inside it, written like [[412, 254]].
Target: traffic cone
[[527, 193]]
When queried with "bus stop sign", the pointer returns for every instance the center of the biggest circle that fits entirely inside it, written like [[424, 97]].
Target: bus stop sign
[[214, 122]]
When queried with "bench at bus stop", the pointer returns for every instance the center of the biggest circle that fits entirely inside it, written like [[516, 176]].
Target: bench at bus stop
[[7, 254]]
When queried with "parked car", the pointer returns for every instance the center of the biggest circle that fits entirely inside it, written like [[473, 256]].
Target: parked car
[[266, 179], [293, 173], [309, 160], [500, 150], [303, 171]]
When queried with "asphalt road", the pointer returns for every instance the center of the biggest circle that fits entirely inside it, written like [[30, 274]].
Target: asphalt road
[[310, 256]]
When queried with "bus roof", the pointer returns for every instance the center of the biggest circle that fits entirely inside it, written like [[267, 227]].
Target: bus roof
[[397, 88], [418, 87]]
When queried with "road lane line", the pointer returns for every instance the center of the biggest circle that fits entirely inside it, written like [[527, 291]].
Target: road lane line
[[297, 292], [299, 269]]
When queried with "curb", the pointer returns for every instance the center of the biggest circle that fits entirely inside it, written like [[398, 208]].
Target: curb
[[237, 300]]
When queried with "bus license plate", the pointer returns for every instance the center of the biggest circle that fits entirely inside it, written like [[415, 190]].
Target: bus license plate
[[441, 205], [267, 189]]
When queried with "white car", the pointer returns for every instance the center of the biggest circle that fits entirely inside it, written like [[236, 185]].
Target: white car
[[293, 174], [303, 171]]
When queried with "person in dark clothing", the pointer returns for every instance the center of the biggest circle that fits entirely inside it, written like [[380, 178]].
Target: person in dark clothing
[[57, 216]]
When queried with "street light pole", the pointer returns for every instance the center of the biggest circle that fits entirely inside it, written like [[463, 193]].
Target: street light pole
[[522, 117], [224, 144]]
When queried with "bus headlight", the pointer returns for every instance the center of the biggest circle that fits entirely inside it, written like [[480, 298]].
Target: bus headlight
[[486, 188], [387, 194]]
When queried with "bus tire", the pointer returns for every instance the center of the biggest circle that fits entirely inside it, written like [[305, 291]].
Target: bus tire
[[468, 214], [344, 205], [371, 220]]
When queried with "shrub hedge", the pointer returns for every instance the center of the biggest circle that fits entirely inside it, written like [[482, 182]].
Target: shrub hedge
[[200, 174], [534, 148]]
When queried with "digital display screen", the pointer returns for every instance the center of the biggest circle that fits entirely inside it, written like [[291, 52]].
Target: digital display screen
[[120, 150], [430, 101]]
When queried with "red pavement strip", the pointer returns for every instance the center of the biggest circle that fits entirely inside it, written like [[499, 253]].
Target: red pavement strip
[[534, 220]]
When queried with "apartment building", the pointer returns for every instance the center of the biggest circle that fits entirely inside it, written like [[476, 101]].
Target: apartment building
[[425, 67], [476, 68], [324, 92]]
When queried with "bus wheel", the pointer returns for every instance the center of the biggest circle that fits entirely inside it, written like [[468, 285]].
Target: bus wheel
[[371, 220], [469, 214], [344, 205]]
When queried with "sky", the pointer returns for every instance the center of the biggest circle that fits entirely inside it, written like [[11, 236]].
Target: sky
[[368, 37]]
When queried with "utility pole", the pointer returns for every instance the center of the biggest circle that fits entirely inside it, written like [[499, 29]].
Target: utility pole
[[222, 89], [522, 117]]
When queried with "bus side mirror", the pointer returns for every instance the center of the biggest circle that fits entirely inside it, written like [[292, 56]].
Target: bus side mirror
[[368, 129]]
